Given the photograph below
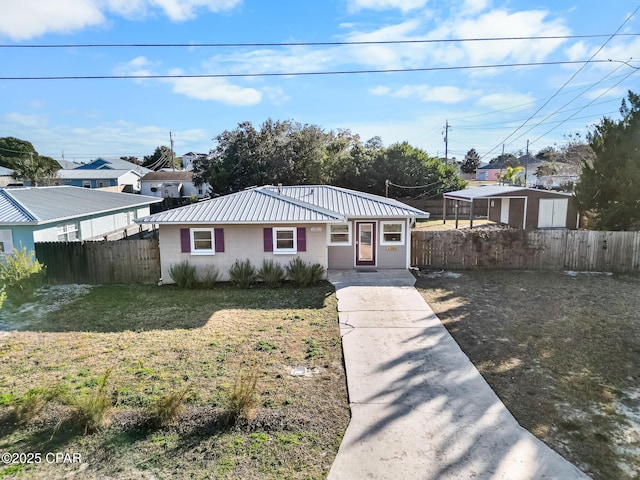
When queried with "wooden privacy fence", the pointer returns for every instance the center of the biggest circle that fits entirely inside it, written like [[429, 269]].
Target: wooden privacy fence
[[578, 250], [124, 261]]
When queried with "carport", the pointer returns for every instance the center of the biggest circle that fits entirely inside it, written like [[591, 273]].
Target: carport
[[518, 207]]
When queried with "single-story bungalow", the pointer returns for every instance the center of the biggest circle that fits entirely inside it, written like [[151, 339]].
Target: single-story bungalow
[[127, 180], [49, 214], [521, 207], [335, 227]]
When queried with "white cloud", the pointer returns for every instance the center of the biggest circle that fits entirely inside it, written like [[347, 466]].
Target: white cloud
[[499, 101], [179, 10], [139, 66], [403, 5], [26, 120], [25, 19], [471, 7], [217, 89], [615, 92], [426, 93], [504, 24], [380, 90]]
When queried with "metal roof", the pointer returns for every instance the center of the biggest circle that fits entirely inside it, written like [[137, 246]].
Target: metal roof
[[182, 176], [487, 191], [268, 204], [90, 174], [350, 203], [45, 204]]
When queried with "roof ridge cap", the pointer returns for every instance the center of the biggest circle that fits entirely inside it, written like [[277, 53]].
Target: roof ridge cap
[[16, 203], [266, 189]]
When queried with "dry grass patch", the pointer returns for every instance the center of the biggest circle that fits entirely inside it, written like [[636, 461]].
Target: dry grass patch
[[159, 341], [561, 350]]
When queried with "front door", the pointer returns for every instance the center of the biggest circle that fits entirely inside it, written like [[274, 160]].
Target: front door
[[365, 243]]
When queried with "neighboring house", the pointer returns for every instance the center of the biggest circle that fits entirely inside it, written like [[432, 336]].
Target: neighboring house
[[335, 227], [172, 185], [189, 158], [127, 180], [488, 173], [113, 164], [520, 207], [49, 214], [5, 177]]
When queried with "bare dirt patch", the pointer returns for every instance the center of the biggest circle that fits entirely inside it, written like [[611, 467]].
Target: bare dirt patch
[[561, 349]]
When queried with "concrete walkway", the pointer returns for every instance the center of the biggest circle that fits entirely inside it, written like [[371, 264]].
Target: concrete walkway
[[419, 408]]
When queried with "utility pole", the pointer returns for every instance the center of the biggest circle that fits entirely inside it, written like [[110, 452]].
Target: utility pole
[[526, 164], [446, 143], [173, 162], [501, 164]]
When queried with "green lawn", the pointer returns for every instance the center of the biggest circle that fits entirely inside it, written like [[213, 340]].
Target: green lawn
[[156, 341]]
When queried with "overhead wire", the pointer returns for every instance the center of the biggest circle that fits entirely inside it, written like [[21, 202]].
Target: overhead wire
[[305, 44], [558, 110], [584, 65], [296, 74]]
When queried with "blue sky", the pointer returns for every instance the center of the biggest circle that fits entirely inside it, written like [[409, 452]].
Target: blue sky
[[485, 107]]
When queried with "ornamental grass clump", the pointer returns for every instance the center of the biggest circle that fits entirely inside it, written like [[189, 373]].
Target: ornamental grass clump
[[169, 406], [184, 274], [271, 273], [209, 278], [242, 274], [92, 409], [303, 274], [242, 399]]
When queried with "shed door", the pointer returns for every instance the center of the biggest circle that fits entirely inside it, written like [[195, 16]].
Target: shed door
[[552, 213], [504, 210]]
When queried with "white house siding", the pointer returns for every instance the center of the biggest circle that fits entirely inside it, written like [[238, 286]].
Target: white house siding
[[93, 226], [47, 234], [241, 242]]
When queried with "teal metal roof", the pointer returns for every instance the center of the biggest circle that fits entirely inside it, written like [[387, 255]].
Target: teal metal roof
[[44, 204]]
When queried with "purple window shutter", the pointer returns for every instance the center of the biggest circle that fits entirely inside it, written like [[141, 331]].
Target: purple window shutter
[[185, 240], [219, 239], [268, 239], [302, 239]]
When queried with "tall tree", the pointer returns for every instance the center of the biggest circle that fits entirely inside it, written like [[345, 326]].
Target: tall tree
[[504, 161], [35, 168], [20, 156], [609, 185], [161, 158], [12, 148], [471, 162], [408, 166], [132, 160]]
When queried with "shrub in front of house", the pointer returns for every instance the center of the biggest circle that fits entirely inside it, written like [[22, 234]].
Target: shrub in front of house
[[184, 274], [271, 273], [209, 278], [303, 274], [242, 273]]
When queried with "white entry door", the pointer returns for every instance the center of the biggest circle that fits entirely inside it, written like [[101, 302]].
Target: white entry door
[[504, 210], [552, 213]]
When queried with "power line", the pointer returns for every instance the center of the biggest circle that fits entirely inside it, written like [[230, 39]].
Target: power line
[[560, 109], [591, 60], [309, 44], [297, 74]]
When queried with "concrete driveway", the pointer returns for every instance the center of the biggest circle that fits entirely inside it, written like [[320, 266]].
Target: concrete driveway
[[419, 408]]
